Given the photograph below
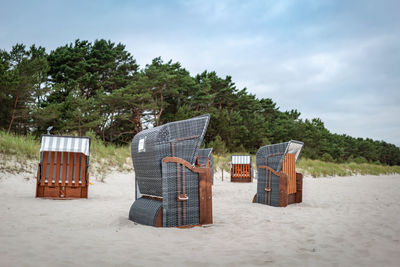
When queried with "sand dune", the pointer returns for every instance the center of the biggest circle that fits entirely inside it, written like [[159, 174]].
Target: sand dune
[[343, 221]]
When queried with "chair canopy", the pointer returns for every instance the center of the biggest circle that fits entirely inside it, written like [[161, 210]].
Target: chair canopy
[[76, 144], [273, 155], [175, 139], [241, 159]]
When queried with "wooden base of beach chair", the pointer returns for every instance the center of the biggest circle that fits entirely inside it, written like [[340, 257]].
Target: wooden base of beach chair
[[284, 197], [61, 192], [241, 180]]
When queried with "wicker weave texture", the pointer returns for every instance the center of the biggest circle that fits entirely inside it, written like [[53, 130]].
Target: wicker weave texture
[[144, 211], [178, 213], [178, 139]]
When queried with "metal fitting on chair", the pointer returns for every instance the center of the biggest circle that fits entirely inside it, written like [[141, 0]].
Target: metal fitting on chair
[[182, 197]]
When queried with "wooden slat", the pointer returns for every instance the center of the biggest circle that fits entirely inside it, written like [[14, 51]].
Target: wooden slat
[[241, 171], [283, 190], [299, 187], [76, 171], [44, 168], [64, 169], [52, 158], [289, 167], [70, 167], [184, 204], [270, 184], [58, 164], [178, 189], [205, 197], [83, 169]]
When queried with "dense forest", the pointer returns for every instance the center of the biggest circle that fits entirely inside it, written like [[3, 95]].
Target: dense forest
[[99, 87]]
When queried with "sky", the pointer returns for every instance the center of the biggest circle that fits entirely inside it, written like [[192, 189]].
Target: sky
[[335, 60]]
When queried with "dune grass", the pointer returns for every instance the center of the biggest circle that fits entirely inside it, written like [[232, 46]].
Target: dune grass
[[23, 147], [105, 158], [318, 168], [109, 156]]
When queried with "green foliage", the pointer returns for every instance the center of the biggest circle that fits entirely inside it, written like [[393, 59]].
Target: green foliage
[[218, 145], [360, 160], [107, 157], [327, 157], [98, 87]]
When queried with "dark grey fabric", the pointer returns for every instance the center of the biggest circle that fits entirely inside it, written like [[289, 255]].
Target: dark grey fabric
[[149, 147], [144, 211], [170, 192]]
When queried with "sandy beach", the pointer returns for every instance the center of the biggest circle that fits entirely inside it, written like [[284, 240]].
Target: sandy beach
[[343, 221]]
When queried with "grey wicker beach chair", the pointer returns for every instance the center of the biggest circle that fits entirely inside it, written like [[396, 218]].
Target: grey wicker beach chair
[[171, 191], [278, 183]]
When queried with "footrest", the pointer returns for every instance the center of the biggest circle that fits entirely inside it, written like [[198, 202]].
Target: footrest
[[145, 211]]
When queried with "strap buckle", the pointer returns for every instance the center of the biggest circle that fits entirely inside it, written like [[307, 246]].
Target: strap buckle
[[182, 197]]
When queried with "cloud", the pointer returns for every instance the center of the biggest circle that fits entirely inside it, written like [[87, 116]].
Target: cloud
[[337, 60]]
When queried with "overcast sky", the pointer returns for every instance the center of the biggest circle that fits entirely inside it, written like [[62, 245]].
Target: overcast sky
[[336, 60]]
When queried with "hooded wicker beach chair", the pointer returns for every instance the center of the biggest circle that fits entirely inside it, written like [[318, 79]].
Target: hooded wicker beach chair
[[241, 169], [206, 159], [171, 191], [278, 183], [63, 167]]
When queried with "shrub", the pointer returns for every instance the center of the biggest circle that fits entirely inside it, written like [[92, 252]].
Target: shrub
[[327, 157]]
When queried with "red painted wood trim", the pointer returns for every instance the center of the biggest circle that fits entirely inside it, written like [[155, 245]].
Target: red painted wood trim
[[184, 163], [268, 168]]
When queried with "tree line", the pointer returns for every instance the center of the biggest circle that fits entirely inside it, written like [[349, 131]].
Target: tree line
[[98, 86]]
